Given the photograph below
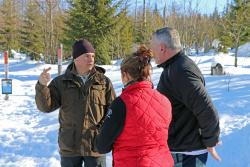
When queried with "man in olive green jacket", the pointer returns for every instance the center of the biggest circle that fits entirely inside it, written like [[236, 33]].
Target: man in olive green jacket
[[83, 94]]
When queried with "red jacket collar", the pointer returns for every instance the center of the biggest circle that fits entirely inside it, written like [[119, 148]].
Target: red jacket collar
[[136, 85]]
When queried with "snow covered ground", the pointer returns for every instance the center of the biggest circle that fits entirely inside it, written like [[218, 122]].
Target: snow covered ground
[[28, 138]]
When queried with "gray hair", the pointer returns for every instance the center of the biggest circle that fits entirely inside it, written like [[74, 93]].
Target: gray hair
[[169, 36]]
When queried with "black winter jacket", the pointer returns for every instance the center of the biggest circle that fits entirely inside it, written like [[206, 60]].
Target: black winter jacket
[[195, 121]]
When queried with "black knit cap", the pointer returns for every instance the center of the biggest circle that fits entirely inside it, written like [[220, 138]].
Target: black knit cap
[[82, 46]]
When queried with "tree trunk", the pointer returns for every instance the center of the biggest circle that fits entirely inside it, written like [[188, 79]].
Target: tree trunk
[[144, 20], [144, 14], [236, 55], [50, 33]]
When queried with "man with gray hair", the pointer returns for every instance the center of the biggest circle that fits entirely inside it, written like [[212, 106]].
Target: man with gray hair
[[194, 130]]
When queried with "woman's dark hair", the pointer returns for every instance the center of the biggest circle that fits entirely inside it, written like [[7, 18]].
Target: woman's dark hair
[[138, 64]]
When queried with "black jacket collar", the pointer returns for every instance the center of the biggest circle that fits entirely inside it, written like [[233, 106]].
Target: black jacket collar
[[169, 61]]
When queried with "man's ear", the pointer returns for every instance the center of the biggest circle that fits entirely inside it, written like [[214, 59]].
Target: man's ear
[[163, 47]]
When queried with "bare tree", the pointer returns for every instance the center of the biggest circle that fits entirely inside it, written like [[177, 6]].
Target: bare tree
[[51, 10]]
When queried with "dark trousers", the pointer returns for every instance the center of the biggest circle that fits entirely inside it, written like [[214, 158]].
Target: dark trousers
[[182, 160], [88, 161]]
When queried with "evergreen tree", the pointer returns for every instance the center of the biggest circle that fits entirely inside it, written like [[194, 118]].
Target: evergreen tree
[[9, 32], [235, 25], [32, 33], [93, 20], [122, 37]]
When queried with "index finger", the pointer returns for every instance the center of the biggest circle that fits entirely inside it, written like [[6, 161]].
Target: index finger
[[214, 154], [46, 70]]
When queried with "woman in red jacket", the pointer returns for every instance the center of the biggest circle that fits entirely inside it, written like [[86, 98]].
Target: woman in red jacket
[[136, 125]]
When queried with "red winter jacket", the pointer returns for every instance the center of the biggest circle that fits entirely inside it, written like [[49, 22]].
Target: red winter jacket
[[143, 140]]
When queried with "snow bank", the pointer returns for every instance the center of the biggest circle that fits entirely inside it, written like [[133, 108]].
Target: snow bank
[[244, 50]]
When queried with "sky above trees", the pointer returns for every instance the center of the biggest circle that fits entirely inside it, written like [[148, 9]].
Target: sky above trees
[[204, 6]]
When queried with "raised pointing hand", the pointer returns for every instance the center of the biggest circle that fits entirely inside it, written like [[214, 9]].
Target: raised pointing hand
[[45, 76]]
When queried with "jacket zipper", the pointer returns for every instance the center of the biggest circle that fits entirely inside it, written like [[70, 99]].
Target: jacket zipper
[[79, 85]]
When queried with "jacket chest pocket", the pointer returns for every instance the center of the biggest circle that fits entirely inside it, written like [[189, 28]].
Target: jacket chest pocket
[[98, 94], [70, 96]]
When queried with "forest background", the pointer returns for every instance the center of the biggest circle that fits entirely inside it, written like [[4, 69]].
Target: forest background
[[117, 27]]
